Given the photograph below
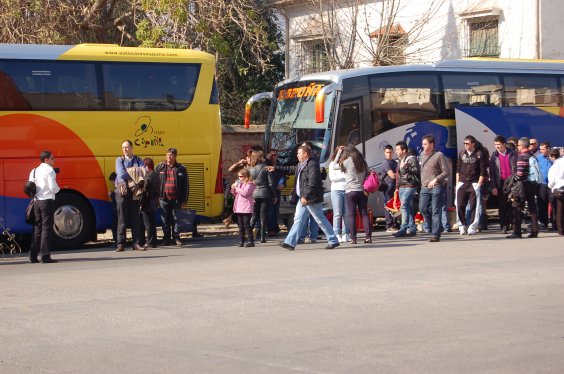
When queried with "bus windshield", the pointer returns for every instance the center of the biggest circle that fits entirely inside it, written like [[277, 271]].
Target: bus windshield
[[293, 121]]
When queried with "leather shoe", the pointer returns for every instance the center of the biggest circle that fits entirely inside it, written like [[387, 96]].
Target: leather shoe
[[178, 242], [287, 246], [331, 246], [533, 234], [33, 261], [48, 260], [434, 239], [513, 236], [368, 240], [353, 241], [120, 248], [137, 247]]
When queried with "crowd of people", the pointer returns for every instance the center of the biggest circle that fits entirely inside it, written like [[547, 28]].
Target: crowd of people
[[520, 174]]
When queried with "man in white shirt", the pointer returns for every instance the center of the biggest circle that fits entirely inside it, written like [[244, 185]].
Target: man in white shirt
[[44, 208], [556, 185]]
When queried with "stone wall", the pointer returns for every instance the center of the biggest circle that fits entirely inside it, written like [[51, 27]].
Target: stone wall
[[235, 142]]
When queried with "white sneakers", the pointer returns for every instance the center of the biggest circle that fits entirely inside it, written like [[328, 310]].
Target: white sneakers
[[343, 238], [471, 231], [462, 230]]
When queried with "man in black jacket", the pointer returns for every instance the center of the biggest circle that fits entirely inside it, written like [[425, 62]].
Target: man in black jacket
[[503, 164], [308, 194], [174, 193]]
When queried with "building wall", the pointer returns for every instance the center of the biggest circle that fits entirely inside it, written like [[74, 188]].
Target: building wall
[[444, 36], [236, 142]]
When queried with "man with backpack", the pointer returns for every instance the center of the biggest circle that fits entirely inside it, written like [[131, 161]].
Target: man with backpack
[[525, 164], [434, 174]]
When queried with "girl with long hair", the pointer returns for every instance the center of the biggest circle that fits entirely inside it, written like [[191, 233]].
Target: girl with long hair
[[243, 206], [265, 191], [355, 168]]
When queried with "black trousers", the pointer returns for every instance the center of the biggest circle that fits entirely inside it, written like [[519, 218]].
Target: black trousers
[[148, 226], [43, 229], [168, 218], [245, 228], [127, 216], [543, 199], [560, 215], [354, 199], [504, 208], [261, 212], [464, 195], [530, 191]]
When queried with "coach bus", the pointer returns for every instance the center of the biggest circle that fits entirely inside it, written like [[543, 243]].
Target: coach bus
[[375, 106], [81, 102]]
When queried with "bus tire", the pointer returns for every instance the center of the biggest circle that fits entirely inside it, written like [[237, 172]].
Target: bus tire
[[73, 222]]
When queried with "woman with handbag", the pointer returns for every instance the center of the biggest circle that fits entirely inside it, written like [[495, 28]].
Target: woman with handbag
[[264, 193], [354, 167]]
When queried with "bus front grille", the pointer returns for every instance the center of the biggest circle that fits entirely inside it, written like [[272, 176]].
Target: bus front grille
[[197, 192]]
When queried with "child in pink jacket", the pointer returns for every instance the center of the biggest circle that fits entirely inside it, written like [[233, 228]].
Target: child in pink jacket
[[243, 205]]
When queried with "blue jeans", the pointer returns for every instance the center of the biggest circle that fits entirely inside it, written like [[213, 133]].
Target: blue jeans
[[311, 229], [406, 195], [168, 218], [431, 204], [339, 212], [301, 217]]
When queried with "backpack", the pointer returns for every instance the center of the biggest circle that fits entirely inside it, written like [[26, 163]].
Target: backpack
[[534, 170], [30, 188], [371, 182]]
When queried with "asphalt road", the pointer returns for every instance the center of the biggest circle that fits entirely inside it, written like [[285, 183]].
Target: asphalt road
[[479, 304]]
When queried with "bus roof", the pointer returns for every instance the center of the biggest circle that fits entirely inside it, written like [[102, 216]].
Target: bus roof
[[101, 52], [468, 65]]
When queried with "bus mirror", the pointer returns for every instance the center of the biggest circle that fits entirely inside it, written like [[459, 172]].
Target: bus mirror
[[320, 101], [251, 101]]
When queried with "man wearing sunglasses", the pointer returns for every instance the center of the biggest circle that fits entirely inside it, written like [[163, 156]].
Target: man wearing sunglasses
[[471, 171]]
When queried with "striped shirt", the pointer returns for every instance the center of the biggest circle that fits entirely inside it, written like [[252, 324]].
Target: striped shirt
[[523, 166]]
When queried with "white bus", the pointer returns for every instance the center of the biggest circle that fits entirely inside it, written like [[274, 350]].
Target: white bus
[[375, 106]]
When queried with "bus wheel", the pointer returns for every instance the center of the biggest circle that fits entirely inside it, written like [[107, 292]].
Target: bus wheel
[[73, 221]]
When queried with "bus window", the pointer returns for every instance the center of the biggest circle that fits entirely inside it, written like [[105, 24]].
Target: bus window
[[49, 85], [147, 86], [400, 99], [471, 90], [348, 128], [537, 90]]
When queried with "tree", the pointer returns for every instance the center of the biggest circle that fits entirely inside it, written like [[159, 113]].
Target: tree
[[242, 34]]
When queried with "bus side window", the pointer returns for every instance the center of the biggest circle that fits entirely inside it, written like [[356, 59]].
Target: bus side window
[[471, 90], [532, 90]]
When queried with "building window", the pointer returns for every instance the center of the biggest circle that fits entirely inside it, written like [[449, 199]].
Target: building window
[[483, 38], [314, 56]]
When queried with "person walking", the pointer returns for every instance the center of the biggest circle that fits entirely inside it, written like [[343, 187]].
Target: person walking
[[522, 175], [149, 206], [408, 181], [434, 174], [127, 207], [471, 171], [503, 164], [243, 206], [173, 177], [308, 196], [45, 180], [338, 182], [264, 193], [354, 166]]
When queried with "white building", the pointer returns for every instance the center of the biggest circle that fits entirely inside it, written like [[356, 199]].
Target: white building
[[354, 33]]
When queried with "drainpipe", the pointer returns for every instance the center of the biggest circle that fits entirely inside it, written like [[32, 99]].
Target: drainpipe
[[287, 45], [538, 27]]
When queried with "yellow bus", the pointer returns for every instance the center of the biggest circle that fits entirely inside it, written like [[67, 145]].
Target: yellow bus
[[81, 102]]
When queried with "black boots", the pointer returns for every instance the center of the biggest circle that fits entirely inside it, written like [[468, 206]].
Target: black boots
[[242, 242], [250, 243], [263, 234]]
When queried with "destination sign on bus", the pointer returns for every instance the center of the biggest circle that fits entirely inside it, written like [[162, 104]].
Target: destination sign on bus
[[309, 90]]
